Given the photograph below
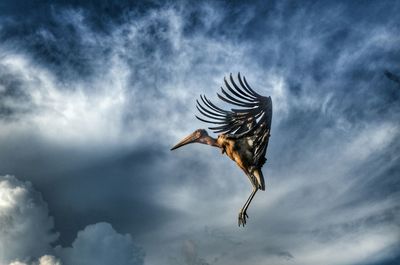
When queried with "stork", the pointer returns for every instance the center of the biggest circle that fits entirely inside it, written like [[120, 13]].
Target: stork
[[244, 131]]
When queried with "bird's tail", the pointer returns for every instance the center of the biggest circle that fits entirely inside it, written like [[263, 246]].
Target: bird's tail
[[260, 178]]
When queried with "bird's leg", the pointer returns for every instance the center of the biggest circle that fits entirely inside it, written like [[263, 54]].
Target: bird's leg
[[249, 200], [243, 212]]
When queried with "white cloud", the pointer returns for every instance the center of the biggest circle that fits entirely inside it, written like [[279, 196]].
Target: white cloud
[[128, 83], [49, 260], [44, 260], [26, 234], [25, 224], [100, 244], [63, 113]]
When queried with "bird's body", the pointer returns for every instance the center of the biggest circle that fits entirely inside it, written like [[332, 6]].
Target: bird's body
[[238, 150], [245, 132], [241, 151]]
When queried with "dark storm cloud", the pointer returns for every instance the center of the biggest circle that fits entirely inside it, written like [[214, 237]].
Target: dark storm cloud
[[94, 94]]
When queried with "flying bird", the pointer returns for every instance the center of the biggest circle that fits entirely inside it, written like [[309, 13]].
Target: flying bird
[[244, 132]]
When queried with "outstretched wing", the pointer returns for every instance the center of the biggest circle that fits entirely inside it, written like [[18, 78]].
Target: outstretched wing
[[253, 120]]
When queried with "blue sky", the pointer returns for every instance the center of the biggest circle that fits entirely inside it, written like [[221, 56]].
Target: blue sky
[[93, 95]]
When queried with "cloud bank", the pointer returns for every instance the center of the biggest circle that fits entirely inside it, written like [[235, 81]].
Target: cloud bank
[[27, 234]]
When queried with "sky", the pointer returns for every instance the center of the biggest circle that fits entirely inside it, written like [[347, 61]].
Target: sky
[[93, 94]]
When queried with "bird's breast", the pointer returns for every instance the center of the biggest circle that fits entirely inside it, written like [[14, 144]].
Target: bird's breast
[[238, 151]]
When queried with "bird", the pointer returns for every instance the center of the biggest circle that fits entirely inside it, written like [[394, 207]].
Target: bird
[[243, 132]]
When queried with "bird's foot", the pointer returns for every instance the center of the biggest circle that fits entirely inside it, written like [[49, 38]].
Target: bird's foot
[[242, 218]]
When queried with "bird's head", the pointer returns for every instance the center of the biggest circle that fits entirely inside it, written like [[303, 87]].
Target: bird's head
[[196, 137]]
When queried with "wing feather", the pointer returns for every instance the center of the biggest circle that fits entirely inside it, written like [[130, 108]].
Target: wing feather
[[246, 96], [253, 120]]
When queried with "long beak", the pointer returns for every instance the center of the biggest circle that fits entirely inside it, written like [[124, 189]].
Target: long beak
[[188, 140]]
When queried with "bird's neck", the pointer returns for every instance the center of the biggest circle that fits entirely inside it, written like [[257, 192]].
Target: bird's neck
[[209, 141]]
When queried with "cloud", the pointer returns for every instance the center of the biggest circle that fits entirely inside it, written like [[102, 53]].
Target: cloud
[[33, 99], [189, 255], [101, 244], [146, 68], [27, 234], [100, 107], [44, 260], [26, 229]]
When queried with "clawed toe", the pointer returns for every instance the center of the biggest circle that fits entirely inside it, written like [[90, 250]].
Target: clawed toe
[[242, 218]]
